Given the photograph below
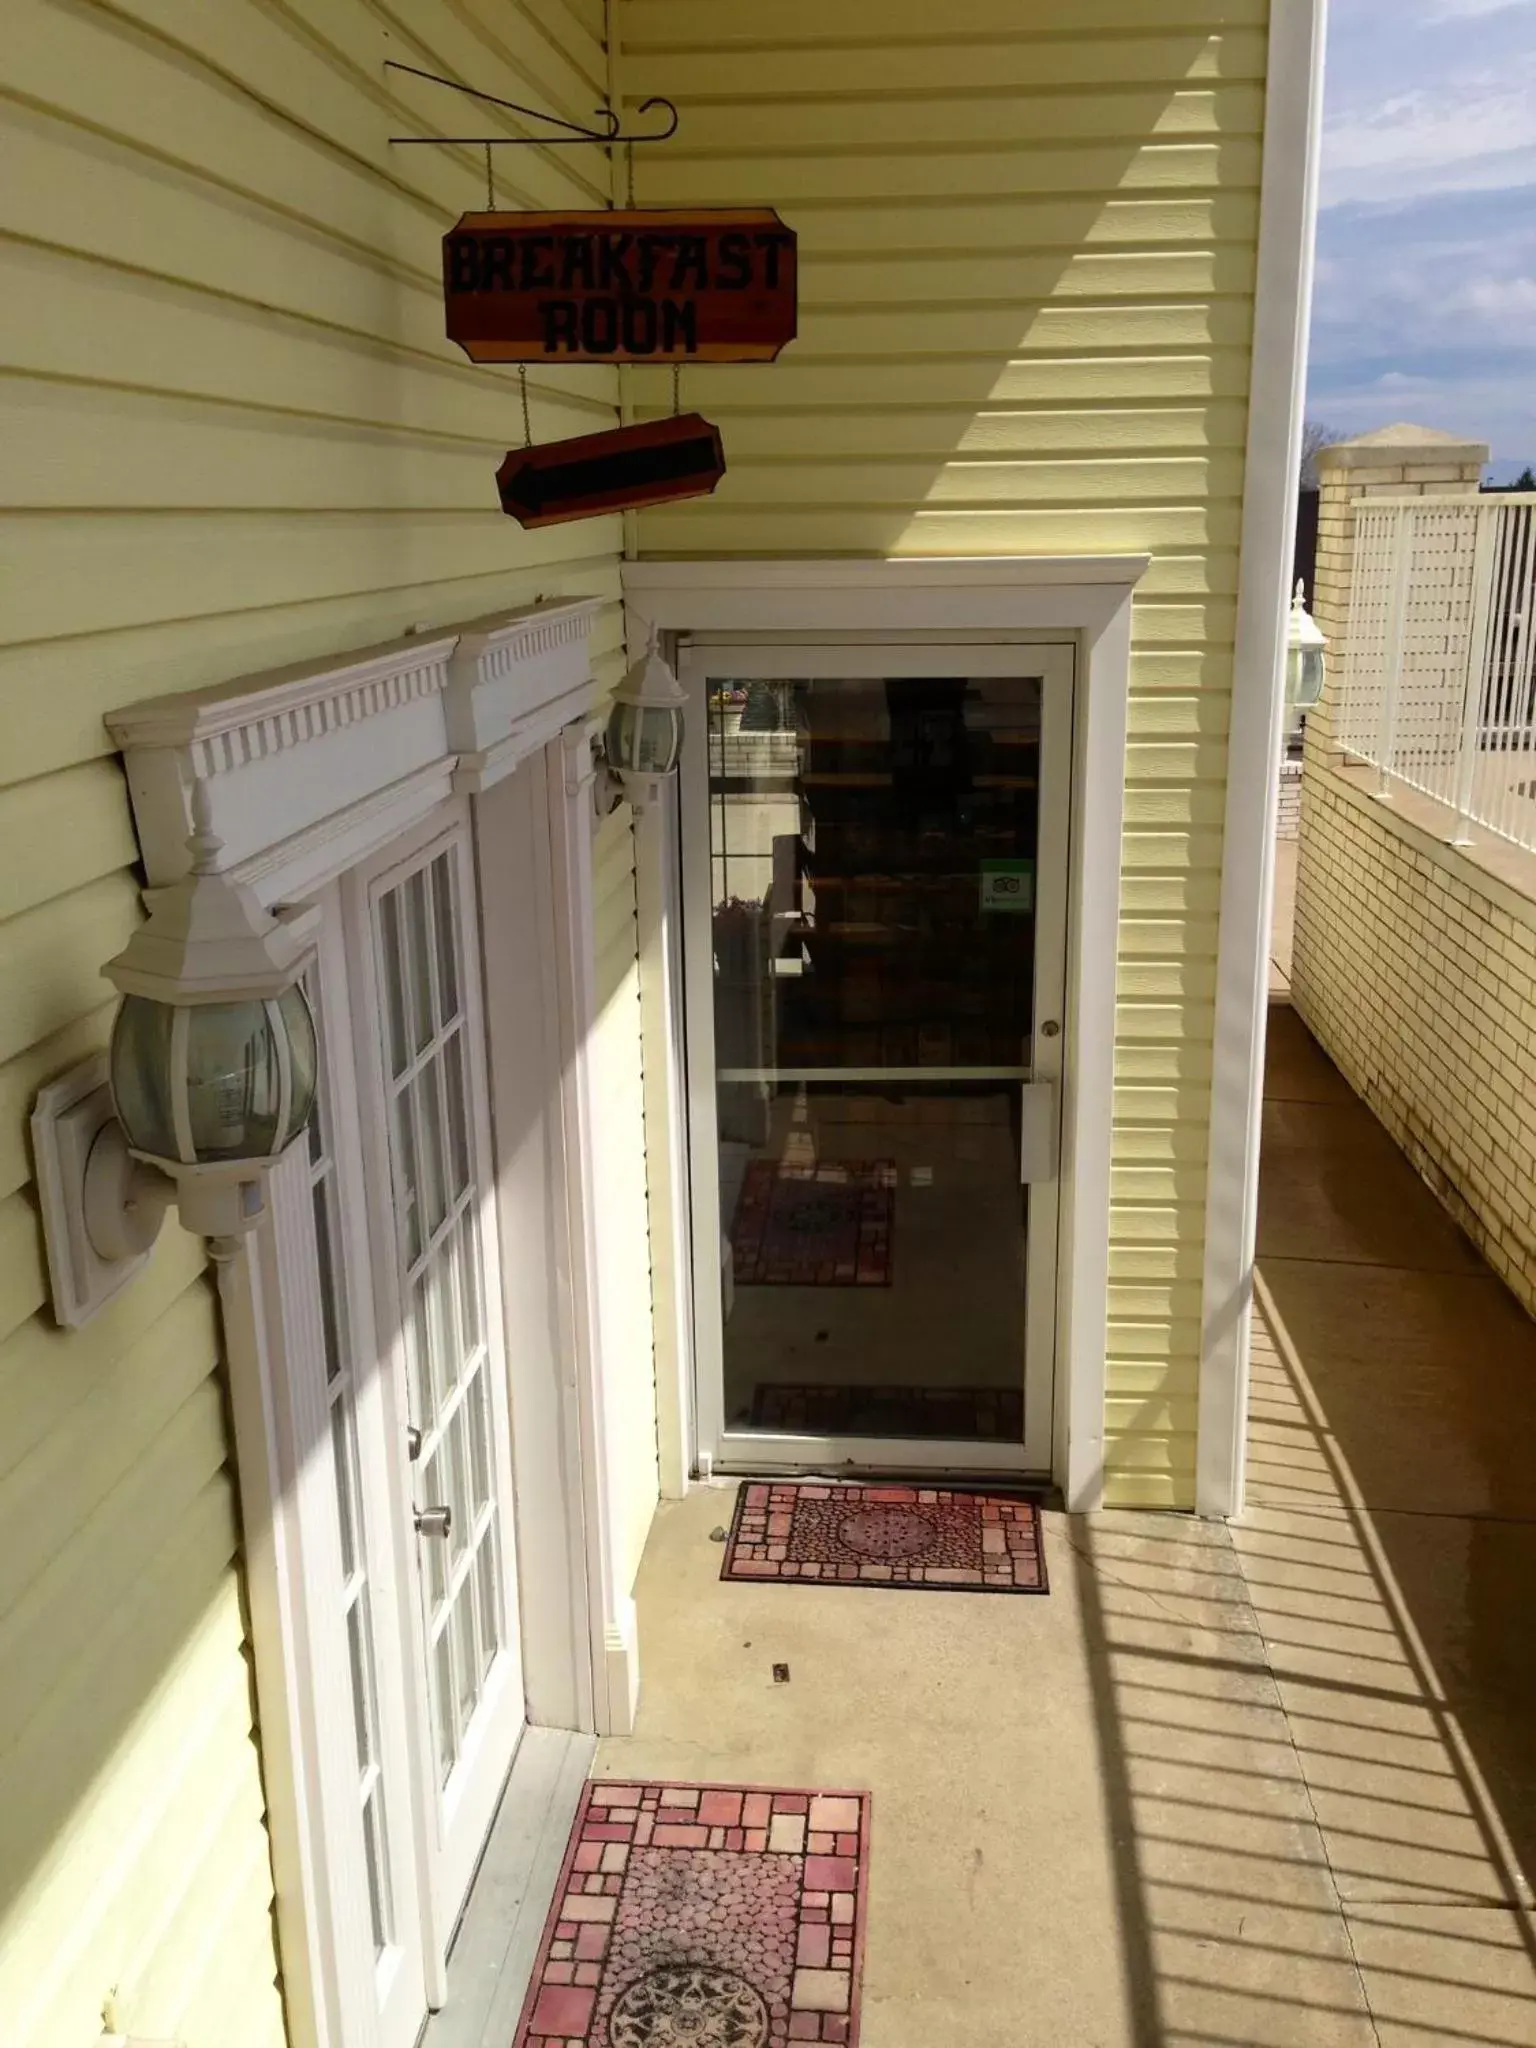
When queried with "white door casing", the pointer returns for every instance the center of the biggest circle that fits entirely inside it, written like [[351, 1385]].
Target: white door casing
[[981, 600], [784, 658]]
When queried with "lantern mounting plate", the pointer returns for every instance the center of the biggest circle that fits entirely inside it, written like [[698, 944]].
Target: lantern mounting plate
[[72, 1128]]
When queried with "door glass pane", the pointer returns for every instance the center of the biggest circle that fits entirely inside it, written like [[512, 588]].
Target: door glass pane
[[330, 1305], [486, 1573], [444, 925], [434, 1176], [442, 1704], [418, 961], [342, 1451], [873, 848], [458, 1115], [439, 1183], [394, 987], [377, 1849]]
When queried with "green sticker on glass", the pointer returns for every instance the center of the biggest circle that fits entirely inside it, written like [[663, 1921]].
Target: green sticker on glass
[[1008, 885]]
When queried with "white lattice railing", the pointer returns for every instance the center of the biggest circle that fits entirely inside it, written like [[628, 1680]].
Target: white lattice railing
[[1439, 679]]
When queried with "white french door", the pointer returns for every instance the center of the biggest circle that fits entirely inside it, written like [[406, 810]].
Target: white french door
[[419, 1040], [380, 1268], [876, 838], [372, 1828]]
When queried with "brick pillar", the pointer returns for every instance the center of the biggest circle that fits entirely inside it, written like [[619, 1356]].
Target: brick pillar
[[1394, 462]]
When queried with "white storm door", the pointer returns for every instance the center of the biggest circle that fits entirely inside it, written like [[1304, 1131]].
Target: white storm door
[[413, 920], [876, 845]]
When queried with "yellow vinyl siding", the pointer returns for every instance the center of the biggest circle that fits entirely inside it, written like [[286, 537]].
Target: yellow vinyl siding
[[625, 1226], [1027, 240], [235, 438]]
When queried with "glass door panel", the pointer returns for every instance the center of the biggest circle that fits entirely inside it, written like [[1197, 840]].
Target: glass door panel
[[882, 952]]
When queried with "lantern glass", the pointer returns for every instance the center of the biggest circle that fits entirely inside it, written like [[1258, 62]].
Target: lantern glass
[[237, 1056], [644, 739], [1309, 685]]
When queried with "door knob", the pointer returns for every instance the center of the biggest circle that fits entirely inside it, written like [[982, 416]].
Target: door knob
[[434, 1521]]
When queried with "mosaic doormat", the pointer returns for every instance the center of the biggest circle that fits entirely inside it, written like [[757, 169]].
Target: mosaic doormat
[[926, 1537], [969, 1414], [827, 1225], [704, 1916]]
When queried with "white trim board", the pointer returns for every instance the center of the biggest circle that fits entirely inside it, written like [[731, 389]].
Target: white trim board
[[1086, 600], [310, 769], [1287, 220]]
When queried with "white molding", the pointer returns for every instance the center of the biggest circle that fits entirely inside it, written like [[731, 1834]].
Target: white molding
[[1093, 945], [1287, 220], [523, 1041], [666, 1126], [313, 767], [1003, 596], [1009, 574], [282, 1627], [513, 687], [1088, 600], [610, 1607]]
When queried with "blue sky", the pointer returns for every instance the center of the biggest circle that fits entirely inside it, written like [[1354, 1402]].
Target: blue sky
[[1426, 281]]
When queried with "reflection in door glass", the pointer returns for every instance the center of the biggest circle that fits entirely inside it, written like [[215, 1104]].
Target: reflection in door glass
[[341, 1392], [437, 1190], [873, 848]]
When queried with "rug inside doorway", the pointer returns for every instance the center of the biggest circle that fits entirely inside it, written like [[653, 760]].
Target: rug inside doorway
[[967, 1414], [827, 1225], [704, 1916], [933, 1538]]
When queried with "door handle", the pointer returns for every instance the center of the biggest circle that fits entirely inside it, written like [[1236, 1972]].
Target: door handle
[[434, 1521], [412, 1442], [1037, 1132]]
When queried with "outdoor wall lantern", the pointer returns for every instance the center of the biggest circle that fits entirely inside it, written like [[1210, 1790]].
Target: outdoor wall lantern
[[644, 735], [1304, 662], [209, 1078]]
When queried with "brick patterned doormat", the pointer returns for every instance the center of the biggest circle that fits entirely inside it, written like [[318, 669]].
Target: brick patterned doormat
[[704, 1916], [926, 1537], [968, 1414], [814, 1226]]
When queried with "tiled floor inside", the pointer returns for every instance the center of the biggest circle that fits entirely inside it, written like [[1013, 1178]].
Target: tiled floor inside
[[1269, 1786]]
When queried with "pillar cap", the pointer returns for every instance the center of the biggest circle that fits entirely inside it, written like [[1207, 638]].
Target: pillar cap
[[1406, 444]]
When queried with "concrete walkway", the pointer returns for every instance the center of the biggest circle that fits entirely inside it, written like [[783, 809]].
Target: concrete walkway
[[1268, 1785]]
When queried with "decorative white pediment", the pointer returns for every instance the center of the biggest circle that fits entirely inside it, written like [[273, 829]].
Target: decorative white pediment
[[309, 768], [513, 685]]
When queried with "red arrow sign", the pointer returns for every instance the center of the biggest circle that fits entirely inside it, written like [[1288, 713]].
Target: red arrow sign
[[617, 471]]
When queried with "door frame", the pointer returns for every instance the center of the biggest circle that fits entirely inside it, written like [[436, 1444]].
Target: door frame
[[1086, 600], [309, 772], [700, 658]]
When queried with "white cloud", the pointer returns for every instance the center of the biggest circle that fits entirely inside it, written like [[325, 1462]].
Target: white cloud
[[1460, 10], [1479, 135], [1426, 283]]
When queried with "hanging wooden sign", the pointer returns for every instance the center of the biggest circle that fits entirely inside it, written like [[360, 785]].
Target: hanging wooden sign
[[713, 286], [617, 471]]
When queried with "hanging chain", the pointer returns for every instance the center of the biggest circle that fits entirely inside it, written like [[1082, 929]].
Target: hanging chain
[[522, 379], [677, 389], [629, 155], [490, 182]]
